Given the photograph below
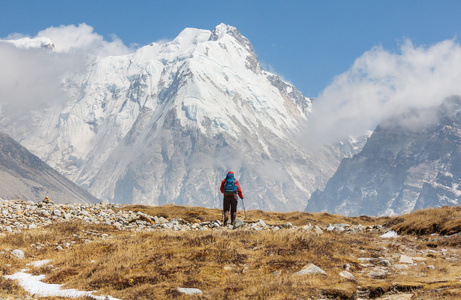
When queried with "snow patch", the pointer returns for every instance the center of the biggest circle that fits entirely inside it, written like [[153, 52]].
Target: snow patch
[[33, 285]]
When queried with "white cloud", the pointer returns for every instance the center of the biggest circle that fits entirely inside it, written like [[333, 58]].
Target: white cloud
[[31, 76], [73, 38], [381, 84]]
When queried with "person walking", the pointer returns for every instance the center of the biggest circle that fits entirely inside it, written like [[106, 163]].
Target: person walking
[[230, 187]]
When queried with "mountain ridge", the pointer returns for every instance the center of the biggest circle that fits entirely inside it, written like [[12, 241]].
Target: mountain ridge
[[405, 165], [24, 176]]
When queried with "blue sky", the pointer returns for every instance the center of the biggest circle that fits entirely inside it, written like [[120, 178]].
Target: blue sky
[[307, 42]]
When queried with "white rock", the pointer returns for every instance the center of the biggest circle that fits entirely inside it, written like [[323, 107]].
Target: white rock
[[311, 269], [317, 230], [347, 275], [238, 223], [400, 267], [390, 234], [261, 223], [404, 259], [190, 291], [378, 273], [18, 253], [307, 227], [384, 262], [287, 225]]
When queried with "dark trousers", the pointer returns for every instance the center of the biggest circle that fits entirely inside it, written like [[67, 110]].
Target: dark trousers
[[230, 203]]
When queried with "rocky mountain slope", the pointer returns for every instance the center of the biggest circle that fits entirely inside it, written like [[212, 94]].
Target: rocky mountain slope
[[24, 176], [407, 164], [167, 122]]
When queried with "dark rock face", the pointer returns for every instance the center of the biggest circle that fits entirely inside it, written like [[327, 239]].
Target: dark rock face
[[24, 176], [410, 162]]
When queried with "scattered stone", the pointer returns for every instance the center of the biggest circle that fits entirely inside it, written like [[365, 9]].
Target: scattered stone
[[18, 253], [19, 215], [400, 267], [307, 227], [330, 228], [419, 259], [404, 259], [238, 223], [287, 225], [162, 220], [311, 269], [190, 291], [384, 262], [317, 230], [347, 275], [378, 273], [390, 234]]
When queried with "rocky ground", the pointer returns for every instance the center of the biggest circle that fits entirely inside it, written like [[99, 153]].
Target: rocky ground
[[19, 215]]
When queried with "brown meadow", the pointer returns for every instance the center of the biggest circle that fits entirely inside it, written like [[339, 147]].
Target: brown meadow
[[239, 264]]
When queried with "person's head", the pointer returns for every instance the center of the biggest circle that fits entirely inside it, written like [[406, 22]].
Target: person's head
[[230, 172]]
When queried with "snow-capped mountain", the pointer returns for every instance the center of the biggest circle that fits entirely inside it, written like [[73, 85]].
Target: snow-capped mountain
[[405, 165], [165, 124], [24, 176]]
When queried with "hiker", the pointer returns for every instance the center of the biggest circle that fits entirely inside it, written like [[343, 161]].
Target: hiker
[[230, 187]]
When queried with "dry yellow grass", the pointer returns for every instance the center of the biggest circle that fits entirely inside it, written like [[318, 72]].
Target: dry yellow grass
[[445, 220], [238, 264]]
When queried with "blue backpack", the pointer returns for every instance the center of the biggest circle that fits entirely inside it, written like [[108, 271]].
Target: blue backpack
[[230, 188]]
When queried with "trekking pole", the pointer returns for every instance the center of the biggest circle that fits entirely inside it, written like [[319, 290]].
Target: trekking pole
[[244, 210], [222, 215]]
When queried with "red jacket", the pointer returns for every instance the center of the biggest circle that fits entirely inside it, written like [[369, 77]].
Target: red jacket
[[238, 186]]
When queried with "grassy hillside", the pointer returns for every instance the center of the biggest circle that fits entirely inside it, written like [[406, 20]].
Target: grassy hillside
[[239, 264]]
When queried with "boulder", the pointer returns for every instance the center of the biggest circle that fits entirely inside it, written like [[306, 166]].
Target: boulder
[[18, 253], [404, 259], [311, 269], [238, 223], [347, 275], [190, 291]]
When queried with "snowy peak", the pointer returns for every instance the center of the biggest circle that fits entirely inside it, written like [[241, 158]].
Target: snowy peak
[[222, 30], [162, 124]]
